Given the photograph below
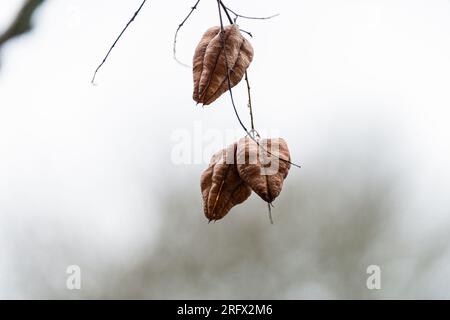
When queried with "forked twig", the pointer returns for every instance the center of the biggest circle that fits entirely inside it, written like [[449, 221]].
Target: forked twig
[[225, 9], [227, 67], [117, 39], [175, 39], [176, 35], [270, 212], [22, 22], [247, 32]]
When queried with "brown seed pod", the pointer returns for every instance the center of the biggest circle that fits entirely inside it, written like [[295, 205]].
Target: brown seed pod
[[222, 187], [264, 172], [210, 66]]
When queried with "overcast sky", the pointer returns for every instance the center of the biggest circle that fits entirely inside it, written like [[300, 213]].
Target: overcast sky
[[333, 78]]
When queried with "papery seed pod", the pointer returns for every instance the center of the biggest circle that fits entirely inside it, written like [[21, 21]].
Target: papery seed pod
[[210, 66], [264, 172], [222, 187]]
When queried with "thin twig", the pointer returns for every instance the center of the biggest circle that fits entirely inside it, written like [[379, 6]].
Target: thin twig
[[231, 20], [222, 33], [117, 39], [246, 75], [237, 15], [247, 32], [270, 212], [176, 35]]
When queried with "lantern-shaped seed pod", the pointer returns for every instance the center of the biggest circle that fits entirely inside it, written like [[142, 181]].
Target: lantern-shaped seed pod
[[263, 171], [210, 66], [222, 187]]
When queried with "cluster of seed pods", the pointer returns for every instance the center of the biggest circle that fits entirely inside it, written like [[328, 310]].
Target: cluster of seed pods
[[250, 164]]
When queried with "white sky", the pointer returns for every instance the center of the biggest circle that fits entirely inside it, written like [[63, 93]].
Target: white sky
[[333, 77]]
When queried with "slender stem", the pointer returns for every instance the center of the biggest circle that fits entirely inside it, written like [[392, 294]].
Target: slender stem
[[222, 37], [247, 32], [249, 101], [176, 35], [117, 39], [270, 212], [22, 22], [226, 12], [246, 75]]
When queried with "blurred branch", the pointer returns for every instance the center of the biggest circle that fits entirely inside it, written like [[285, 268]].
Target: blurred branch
[[22, 23]]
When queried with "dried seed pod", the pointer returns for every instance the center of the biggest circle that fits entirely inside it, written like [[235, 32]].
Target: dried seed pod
[[222, 187], [264, 172], [210, 66]]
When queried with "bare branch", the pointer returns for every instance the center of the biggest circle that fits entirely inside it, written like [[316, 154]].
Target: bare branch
[[249, 133], [269, 206], [22, 23], [117, 39], [249, 101]]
